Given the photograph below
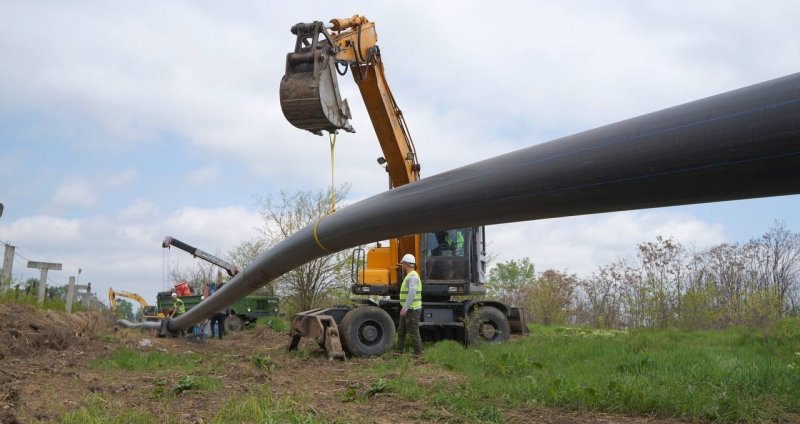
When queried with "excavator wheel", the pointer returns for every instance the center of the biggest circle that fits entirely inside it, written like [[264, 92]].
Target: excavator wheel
[[367, 331], [487, 324]]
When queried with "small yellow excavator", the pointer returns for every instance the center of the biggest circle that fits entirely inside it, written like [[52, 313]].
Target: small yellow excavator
[[451, 262], [149, 313]]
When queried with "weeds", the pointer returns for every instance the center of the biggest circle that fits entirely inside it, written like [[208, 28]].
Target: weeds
[[265, 407], [264, 362], [127, 359], [97, 410], [276, 323], [732, 375]]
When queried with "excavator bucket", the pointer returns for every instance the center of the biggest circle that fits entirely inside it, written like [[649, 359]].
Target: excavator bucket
[[309, 91]]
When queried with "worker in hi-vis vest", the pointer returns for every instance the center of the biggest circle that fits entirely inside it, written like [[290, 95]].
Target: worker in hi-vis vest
[[178, 308], [411, 304]]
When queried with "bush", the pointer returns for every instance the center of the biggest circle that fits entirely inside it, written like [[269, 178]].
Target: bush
[[276, 323]]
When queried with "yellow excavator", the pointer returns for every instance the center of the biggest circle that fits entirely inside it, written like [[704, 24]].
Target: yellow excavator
[[451, 262], [149, 313]]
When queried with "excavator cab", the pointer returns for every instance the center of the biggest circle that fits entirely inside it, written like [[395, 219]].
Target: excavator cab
[[309, 91]]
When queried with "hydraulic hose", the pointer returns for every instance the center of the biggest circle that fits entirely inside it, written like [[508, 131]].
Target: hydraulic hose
[[736, 145]]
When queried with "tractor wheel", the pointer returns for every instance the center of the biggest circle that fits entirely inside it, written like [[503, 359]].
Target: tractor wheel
[[367, 331], [487, 325], [233, 323]]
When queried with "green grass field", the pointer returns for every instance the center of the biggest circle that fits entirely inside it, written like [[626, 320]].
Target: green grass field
[[736, 375]]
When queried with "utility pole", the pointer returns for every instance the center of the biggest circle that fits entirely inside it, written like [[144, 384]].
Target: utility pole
[[44, 267]]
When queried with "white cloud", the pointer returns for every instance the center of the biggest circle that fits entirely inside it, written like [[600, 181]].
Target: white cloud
[[538, 70], [122, 178], [139, 211], [581, 244], [203, 175], [124, 251], [212, 229], [43, 230], [78, 193], [473, 83], [74, 194]]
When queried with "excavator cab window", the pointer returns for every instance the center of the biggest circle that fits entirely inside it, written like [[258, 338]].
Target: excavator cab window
[[447, 243], [447, 254]]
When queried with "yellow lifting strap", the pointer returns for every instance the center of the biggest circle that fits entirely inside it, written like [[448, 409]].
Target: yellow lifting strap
[[332, 139]]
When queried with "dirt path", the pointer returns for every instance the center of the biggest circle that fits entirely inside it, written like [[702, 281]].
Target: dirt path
[[52, 370]]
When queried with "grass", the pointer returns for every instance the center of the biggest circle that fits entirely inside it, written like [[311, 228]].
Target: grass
[[127, 359], [276, 323], [265, 407], [56, 304], [97, 410], [735, 375]]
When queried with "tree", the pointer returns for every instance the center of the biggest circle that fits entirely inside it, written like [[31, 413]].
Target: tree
[[318, 281], [124, 309], [58, 292], [198, 276], [782, 261], [244, 254], [509, 281], [602, 298], [550, 297]]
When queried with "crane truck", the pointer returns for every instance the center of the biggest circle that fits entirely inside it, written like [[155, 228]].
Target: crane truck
[[149, 312], [451, 262], [243, 312]]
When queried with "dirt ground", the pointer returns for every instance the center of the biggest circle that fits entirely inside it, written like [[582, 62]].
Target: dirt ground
[[45, 372]]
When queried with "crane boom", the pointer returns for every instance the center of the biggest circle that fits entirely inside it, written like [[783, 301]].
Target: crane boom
[[230, 268]]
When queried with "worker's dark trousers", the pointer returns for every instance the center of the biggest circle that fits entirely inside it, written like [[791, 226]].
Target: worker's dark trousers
[[218, 325], [410, 324]]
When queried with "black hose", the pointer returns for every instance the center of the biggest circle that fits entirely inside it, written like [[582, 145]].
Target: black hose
[[737, 145]]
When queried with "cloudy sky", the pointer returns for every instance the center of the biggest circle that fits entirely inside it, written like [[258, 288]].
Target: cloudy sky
[[121, 123]]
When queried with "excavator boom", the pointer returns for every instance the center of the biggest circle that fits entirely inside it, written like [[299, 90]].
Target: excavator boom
[[230, 268]]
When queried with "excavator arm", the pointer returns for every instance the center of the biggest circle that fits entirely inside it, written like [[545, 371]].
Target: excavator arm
[[230, 268], [310, 98]]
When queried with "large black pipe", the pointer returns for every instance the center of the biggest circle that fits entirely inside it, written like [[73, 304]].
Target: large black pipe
[[736, 145]]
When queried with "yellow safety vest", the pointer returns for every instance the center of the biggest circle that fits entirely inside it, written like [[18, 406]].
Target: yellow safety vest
[[180, 307], [417, 303]]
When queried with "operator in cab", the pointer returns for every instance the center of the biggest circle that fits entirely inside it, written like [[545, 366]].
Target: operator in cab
[[411, 306]]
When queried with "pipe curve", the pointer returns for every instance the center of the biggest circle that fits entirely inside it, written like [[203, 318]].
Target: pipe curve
[[736, 145]]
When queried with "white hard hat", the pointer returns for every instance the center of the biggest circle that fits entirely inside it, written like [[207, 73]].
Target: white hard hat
[[174, 294], [408, 259]]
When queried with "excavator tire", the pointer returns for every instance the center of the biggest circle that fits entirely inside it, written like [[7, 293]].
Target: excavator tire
[[487, 324], [233, 323], [367, 331]]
